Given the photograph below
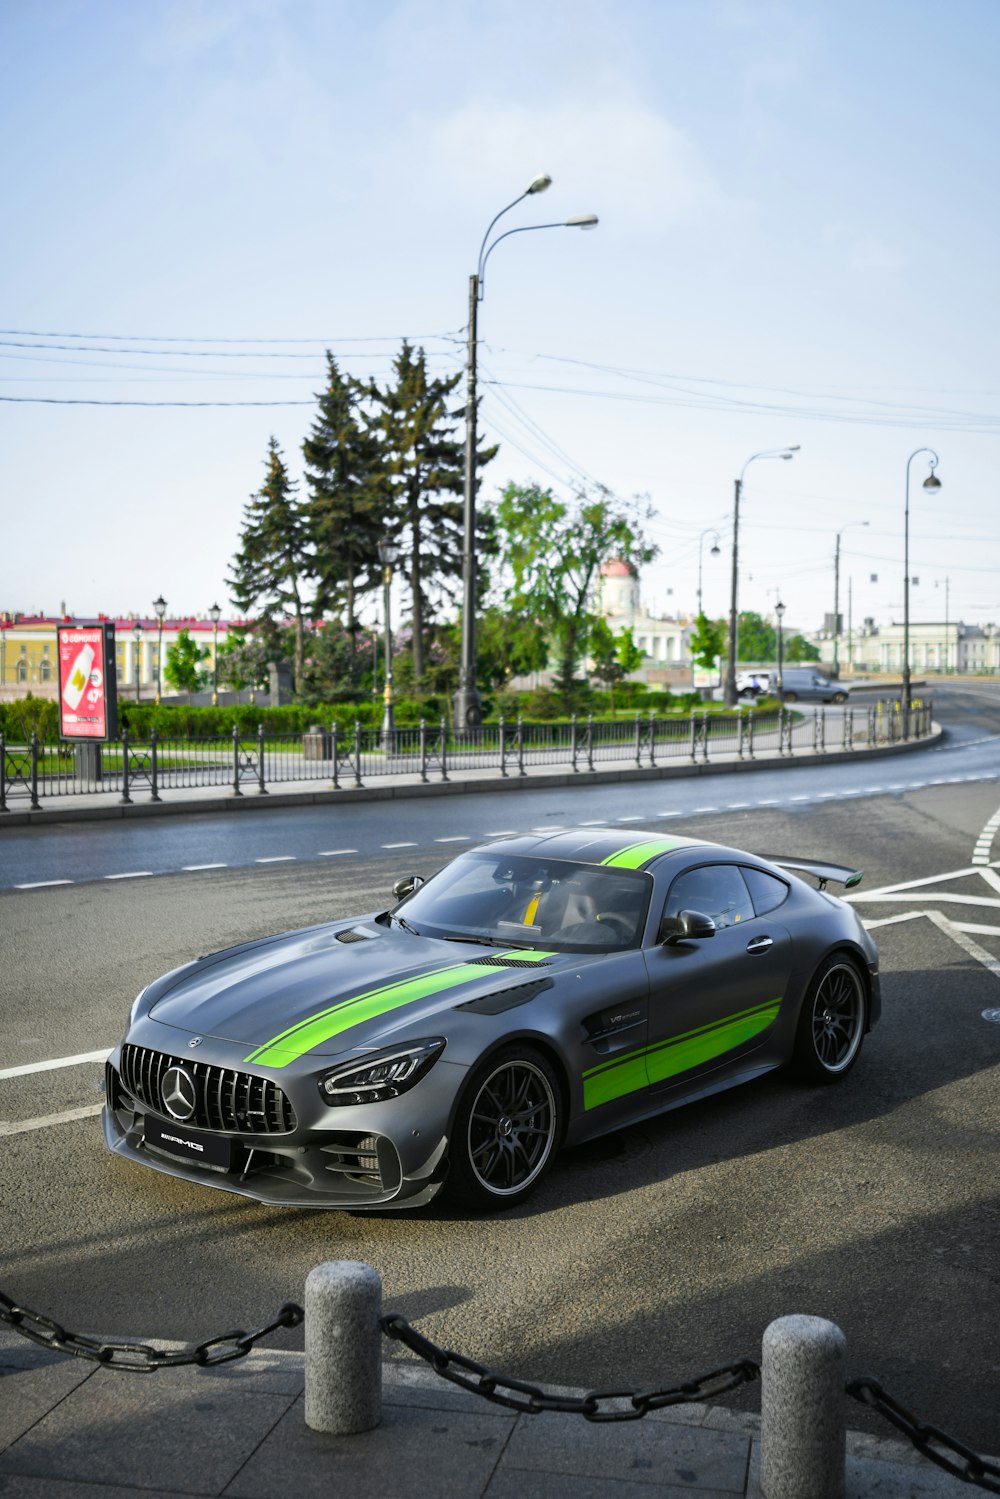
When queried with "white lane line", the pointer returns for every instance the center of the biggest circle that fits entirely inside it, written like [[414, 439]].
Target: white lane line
[[399, 845], [736, 806], [930, 879], [550, 827], [658, 814], [696, 811], [965, 942], [44, 1121], [190, 868], [959, 900], [331, 853], [636, 817], [455, 838], [798, 798], [976, 929], [512, 832], [84, 1056], [41, 884], [772, 801], [598, 822], [991, 877], [277, 859], [133, 874]]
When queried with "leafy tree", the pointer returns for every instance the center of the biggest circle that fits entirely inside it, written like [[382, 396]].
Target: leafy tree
[[708, 640], [507, 645], [346, 511], [274, 560], [184, 656], [756, 640], [425, 466], [243, 660], [797, 648], [614, 656], [553, 551]]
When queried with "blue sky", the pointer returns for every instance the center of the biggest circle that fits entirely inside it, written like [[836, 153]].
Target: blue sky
[[798, 244]]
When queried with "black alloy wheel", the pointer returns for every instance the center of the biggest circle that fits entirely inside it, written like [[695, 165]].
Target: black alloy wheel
[[832, 1022], [507, 1129]]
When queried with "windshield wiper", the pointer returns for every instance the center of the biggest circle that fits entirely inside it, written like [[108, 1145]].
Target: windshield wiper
[[491, 942], [402, 921]]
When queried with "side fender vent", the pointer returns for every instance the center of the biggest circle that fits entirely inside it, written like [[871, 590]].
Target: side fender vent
[[506, 999]]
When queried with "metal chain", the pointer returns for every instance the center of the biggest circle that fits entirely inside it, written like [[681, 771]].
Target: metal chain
[[140, 1358], [928, 1440], [518, 1395]]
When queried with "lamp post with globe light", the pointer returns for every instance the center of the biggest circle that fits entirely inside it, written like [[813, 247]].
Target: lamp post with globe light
[[468, 703], [931, 486], [388, 551], [137, 638], [215, 614], [160, 605]]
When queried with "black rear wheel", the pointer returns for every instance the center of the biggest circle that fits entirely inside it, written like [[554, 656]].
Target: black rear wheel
[[507, 1129], [832, 1022]]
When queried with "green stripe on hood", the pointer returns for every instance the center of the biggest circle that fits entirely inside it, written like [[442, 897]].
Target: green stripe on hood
[[289, 1045]]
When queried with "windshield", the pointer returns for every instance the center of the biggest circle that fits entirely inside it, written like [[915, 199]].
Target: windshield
[[531, 902]]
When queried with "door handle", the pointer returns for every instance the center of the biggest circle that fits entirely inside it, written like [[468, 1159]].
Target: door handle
[[759, 944]]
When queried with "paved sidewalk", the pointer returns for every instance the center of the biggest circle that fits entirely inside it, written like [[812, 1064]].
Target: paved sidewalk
[[70, 1430]]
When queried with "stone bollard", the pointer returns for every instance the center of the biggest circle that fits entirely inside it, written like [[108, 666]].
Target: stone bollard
[[343, 1347], [802, 1410]]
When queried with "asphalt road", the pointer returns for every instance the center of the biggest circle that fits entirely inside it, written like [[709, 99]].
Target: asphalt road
[[654, 1254]]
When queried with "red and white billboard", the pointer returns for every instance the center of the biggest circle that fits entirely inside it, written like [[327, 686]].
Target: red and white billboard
[[88, 695]]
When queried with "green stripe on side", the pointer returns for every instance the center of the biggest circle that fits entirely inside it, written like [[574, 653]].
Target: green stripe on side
[[678, 1054], [637, 854], [289, 1045]]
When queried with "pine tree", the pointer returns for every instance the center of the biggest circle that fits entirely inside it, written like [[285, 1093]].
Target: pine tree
[[270, 569], [346, 508]]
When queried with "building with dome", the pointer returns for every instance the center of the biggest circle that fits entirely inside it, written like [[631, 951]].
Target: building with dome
[[664, 639]]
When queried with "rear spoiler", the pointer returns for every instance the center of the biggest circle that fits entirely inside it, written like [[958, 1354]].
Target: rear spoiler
[[822, 871]]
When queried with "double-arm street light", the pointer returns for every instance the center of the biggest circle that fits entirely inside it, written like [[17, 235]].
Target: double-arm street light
[[215, 614], [836, 593], [468, 704], [730, 690], [160, 605], [932, 485], [710, 531], [388, 552]]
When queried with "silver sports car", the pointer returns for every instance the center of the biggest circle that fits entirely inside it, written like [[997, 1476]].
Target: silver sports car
[[534, 993]]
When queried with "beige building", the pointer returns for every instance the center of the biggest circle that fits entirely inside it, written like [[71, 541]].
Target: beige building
[[29, 656], [951, 647], [663, 640]]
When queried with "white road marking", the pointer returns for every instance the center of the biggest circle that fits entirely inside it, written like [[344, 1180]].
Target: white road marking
[[658, 814], [771, 801], [931, 879], [133, 874], [798, 798], [598, 822], [972, 926], [991, 877], [455, 838], [550, 827], [191, 868], [44, 1121], [696, 811], [736, 806], [277, 859], [399, 845], [965, 942], [959, 900], [634, 818], [56, 1062], [331, 853], [512, 832], [41, 884]]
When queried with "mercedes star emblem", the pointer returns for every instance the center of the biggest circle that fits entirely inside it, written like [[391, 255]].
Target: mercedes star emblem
[[179, 1096]]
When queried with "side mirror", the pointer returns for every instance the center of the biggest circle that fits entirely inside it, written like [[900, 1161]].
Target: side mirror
[[407, 885], [687, 926]]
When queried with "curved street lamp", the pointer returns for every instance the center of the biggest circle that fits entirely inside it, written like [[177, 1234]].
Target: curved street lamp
[[215, 614], [160, 605], [786, 453], [931, 485], [710, 531], [388, 551], [468, 703]]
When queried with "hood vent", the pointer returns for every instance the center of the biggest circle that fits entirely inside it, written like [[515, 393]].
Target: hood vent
[[353, 936], [508, 963]]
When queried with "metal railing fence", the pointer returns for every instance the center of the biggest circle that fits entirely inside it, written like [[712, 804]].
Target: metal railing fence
[[35, 772]]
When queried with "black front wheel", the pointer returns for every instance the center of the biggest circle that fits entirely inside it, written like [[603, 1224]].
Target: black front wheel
[[507, 1129], [832, 1022]]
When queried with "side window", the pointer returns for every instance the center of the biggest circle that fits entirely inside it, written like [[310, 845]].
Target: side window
[[716, 890], [766, 892]]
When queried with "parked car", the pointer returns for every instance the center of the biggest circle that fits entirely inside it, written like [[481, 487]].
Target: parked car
[[537, 991], [804, 684], [753, 683]]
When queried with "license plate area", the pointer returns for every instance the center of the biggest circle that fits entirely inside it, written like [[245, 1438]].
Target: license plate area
[[197, 1147]]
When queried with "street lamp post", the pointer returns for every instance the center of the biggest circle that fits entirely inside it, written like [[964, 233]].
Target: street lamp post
[[137, 638], [160, 605], [468, 703], [931, 484], [836, 593], [779, 610], [730, 689], [714, 553], [388, 552], [215, 614]]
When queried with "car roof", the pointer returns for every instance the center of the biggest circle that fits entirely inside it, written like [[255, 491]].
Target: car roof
[[614, 848]]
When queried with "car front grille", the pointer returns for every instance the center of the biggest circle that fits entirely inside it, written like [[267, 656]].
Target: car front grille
[[237, 1102]]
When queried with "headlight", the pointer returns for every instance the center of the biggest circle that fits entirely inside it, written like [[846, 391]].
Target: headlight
[[135, 1006], [381, 1074]]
